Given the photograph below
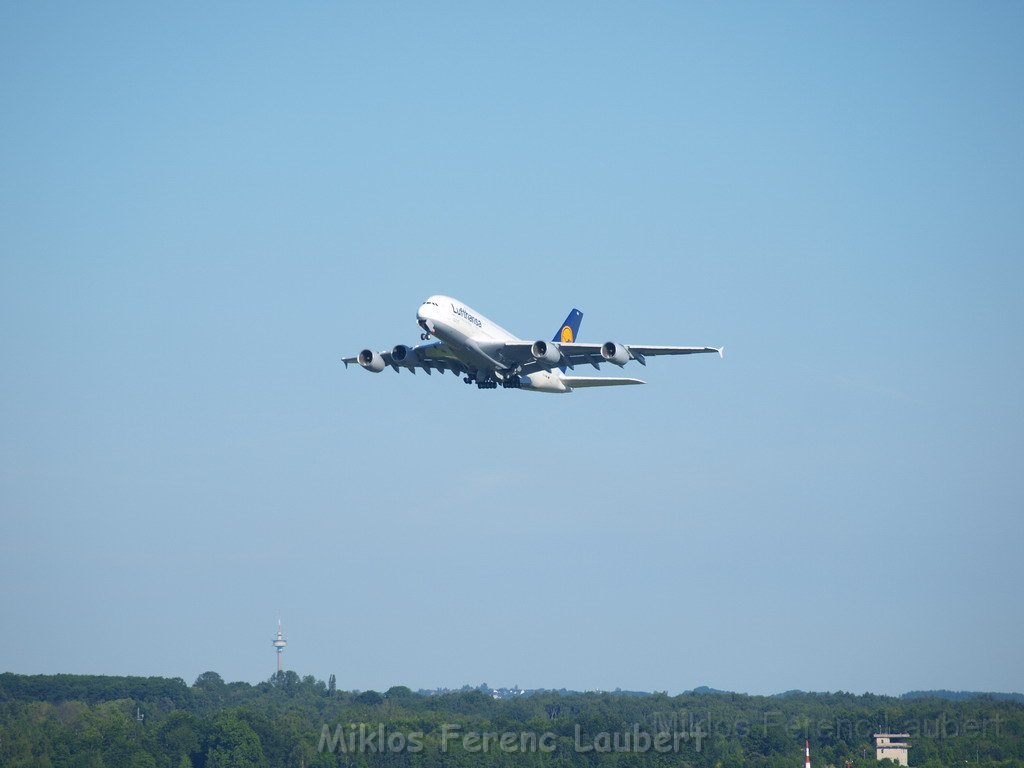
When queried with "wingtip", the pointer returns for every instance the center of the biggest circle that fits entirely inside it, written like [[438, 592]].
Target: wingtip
[[721, 352]]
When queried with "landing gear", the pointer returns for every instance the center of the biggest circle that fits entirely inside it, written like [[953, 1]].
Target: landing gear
[[508, 381], [424, 336]]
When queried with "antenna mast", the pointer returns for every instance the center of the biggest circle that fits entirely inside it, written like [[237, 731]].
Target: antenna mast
[[279, 644]]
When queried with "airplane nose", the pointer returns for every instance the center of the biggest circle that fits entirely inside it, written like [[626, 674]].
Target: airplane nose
[[423, 319]]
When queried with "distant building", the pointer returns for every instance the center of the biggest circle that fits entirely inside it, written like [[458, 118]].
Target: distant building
[[892, 746]]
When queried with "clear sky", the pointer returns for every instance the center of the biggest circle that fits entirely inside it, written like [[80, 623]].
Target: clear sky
[[204, 206]]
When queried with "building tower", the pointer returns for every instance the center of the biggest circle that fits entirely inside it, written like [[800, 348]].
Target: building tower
[[807, 753], [893, 746], [279, 644]]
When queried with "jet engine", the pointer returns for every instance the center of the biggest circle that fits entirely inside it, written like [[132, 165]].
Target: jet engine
[[615, 353], [371, 361], [545, 352], [403, 355]]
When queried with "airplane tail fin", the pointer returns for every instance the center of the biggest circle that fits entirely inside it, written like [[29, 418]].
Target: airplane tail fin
[[569, 330]]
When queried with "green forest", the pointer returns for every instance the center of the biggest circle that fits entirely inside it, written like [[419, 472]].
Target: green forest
[[292, 721]]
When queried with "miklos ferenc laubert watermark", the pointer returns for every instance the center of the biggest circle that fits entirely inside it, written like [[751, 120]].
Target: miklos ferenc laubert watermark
[[366, 739]]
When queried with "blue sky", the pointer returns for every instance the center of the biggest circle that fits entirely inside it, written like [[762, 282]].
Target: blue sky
[[203, 208]]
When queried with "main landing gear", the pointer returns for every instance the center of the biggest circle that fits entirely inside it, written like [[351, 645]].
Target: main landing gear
[[509, 382], [424, 336]]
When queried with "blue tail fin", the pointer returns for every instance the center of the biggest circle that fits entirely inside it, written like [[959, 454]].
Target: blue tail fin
[[568, 331]]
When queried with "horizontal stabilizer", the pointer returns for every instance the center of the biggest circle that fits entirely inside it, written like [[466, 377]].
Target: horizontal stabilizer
[[576, 382]]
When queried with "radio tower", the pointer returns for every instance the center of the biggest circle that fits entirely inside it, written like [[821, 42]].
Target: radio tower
[[807, 749], [279, 644]]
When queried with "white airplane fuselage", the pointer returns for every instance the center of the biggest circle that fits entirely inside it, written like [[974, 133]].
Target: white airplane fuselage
[[473, 338]]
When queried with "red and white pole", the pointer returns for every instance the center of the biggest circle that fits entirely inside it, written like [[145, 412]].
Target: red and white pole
[[807, 753]]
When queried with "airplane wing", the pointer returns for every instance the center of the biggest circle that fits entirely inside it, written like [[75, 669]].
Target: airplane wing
[[571, 354], [641, 351], [426, 357]]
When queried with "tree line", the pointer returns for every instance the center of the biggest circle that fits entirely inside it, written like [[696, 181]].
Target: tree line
[[290, 721]]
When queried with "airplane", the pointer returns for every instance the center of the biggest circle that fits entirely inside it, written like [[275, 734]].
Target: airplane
[[485, 354]]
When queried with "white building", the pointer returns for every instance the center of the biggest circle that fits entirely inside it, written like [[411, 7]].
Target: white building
[[892, 746]]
